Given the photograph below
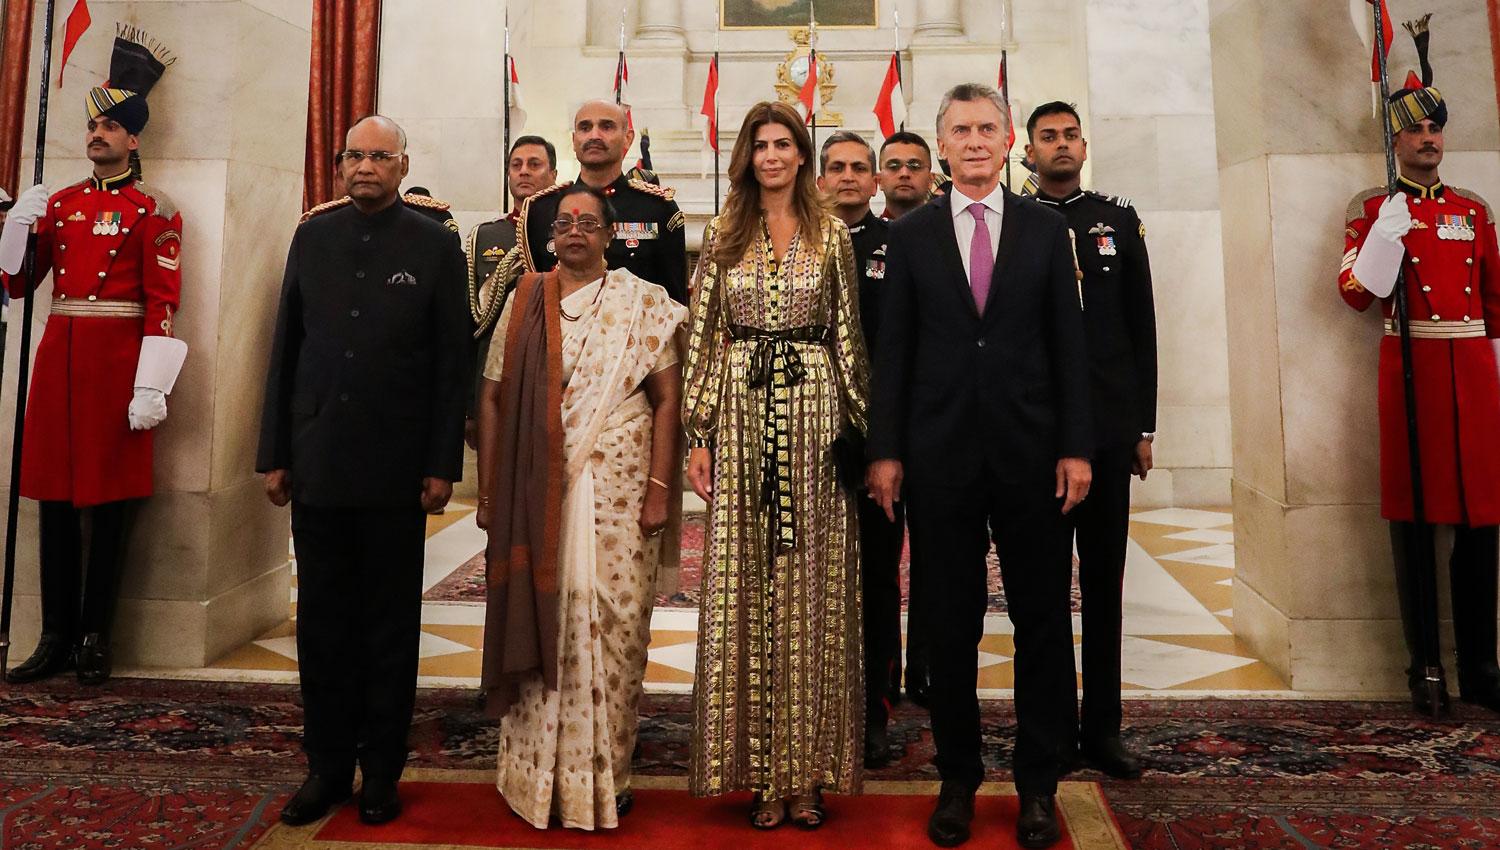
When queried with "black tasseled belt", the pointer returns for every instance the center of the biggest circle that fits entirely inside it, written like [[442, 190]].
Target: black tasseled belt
[[776, 365]]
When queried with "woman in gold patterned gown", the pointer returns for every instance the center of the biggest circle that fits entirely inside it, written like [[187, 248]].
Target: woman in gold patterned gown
[[578, 446], [776, 369]]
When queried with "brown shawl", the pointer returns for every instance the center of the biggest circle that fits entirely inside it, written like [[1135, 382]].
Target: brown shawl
[[521, 619]]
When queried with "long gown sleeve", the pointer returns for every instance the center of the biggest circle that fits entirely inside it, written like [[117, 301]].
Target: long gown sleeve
[[703, 375], [850, 359]]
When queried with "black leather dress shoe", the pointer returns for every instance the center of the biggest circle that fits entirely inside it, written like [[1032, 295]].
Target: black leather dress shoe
[[1111, 756], [1421, 696], [949, 824], [94, 664], [877, 746], [53, 655], [918, 685], [1485, 692], [1037, 825], [312, 801], [378, 802]]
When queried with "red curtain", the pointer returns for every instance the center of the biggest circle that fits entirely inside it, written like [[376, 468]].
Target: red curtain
[[15, 61], [341, 88]]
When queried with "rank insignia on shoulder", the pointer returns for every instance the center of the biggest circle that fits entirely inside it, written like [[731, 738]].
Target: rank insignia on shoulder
[[663, 192], [1142, 229]]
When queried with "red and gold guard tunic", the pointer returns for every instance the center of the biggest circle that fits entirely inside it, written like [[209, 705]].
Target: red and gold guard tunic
[[1452, 276], [113, 247]]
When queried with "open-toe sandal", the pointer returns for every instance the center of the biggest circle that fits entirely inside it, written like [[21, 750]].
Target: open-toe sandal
[[767, 814], [807, 812]]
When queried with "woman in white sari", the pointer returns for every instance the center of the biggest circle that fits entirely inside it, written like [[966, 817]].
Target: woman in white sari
[[579, 436]]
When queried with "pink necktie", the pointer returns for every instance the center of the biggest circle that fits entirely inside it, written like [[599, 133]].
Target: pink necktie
[[981, 258]]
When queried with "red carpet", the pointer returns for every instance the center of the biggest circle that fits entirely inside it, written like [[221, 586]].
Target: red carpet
[[473, 815]]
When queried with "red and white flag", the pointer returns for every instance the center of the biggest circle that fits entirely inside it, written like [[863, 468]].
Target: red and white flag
[[890, 104], [710, 111], [811, 96], [1363, 13], [622, 88], [1010, 118], [78, 23], [517, 111]]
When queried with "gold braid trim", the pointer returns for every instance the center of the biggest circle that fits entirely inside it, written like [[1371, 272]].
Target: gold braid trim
[[663, 192], [325, 207], [523, 232], [500, 282]]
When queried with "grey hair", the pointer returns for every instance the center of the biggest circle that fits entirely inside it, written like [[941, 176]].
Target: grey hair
[[400, 133], [844, 136], [969, 92]]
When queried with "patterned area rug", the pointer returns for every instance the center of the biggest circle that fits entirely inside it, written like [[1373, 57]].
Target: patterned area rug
[[142, 763], [466, 584]]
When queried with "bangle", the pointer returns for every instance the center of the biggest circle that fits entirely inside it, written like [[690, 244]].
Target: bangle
[[658, 482]]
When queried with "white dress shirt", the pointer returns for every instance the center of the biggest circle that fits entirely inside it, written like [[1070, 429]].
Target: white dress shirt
[[963, 222]]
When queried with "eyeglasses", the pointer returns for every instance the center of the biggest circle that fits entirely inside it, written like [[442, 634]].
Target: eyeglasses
[[589, 226], [894, 165], [353, 157]]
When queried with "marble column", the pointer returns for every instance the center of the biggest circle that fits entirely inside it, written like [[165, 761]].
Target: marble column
[[1313, 589], [938, 20], [207, 565], [660, 23]]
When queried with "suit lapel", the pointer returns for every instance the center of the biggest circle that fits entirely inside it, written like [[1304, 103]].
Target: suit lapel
[[1010, 240], [948, 250]]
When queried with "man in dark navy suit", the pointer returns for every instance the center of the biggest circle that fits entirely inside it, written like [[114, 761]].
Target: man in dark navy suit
[[981, 409], [362, 432]]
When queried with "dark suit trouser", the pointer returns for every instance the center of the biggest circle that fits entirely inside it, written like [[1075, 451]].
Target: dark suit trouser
[[956, 525], [880, 576], [359, 613], [63, 579], [1102, 525]]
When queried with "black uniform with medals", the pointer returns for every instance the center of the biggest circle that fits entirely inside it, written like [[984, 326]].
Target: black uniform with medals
[[1120, 318], [880, 539], [650, 237]]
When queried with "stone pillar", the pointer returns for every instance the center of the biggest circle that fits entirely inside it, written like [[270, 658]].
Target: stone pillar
[[1313, 588], [938, 20], [207, 566], [660, 23]]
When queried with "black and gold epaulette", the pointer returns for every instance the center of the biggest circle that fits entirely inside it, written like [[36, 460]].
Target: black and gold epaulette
[[425, 202], [1117, 200], [165, 206], [1356, 210], [328, 206], [1473, 197], [663, 192], [522, 242]]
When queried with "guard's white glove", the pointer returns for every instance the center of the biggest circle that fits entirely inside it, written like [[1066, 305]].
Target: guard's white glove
[[30, 207], [148, 409], [1379, 259], [1394, 220], [155, 374]]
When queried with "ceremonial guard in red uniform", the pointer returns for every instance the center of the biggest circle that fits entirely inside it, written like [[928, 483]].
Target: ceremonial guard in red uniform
[[1442, 239], [104, 366]]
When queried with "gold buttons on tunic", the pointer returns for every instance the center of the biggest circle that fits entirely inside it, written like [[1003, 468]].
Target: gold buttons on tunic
[[1468, 261], [62, 296], [1426, 289], [1436, 317], [113, 252], [141, 210], [1416, 259], [101, 275], [1468, 290], [57, 204], [93, 298], [62, 271]]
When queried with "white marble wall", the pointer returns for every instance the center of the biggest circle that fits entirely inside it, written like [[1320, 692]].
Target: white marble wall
[[1140, 73], [1151, 134], [207, 567], [1313, 588]]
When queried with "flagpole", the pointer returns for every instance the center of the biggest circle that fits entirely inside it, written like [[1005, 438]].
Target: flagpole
[[812, 69], [505, 173], [13, 504], [896, 16], [620, 61], [1010, 113], [715, 127], [1419, 550]]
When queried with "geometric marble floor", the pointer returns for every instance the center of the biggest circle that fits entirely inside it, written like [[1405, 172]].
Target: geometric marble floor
[[1178, 641]]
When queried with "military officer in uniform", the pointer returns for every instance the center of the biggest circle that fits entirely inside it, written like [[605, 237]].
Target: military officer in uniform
[[906, 178], [1120, 320], [847, 177], [650, 238], [531, 167], [362, 432], [105, 365], [421, 200], [1441, 240]]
